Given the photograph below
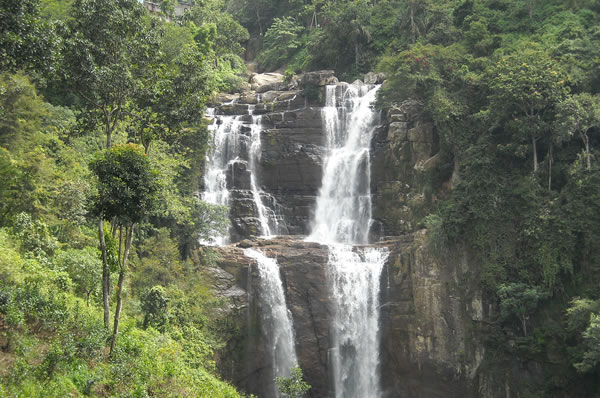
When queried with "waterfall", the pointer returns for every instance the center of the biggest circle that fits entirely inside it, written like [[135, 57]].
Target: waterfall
[[355, 325], [343, 212], [224, 148], [230, 144], [267, 217], [276, 319], [343, 218]]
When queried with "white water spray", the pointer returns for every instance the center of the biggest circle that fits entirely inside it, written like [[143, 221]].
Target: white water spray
[[276, 319], [343, 218], [343, 212], [229, 145]]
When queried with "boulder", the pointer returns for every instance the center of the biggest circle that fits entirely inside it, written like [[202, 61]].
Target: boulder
[[224, 98], [374, 78], [245, 243], [317, 78], [261, 79], [270, 96], [233, 109], [264, 82], [248, 98]]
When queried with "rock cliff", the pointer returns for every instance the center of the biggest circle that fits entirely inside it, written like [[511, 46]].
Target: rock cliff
[[429, 319], [432, 317]]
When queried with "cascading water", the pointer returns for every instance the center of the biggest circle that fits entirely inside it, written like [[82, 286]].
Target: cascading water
[[225, 148], [343, 212], [230, 145], [276, 319], [355, 325], [267, 218], [343, 218]]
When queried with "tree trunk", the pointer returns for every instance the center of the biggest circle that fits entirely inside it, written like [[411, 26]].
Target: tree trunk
[[258, 20], [105, 275], [117, 310], [535, 162], [121, 241], [108, 132], [413, 28], [113, 227], [550, 160], [588, 156], [356, 55], [455, 179], [123, 270], [530, 5]]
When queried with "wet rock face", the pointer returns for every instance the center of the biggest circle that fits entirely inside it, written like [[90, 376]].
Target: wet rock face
[[288, 169], [303, 271], [428, 320]]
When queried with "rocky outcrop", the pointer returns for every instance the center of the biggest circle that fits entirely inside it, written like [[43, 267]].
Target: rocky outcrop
[[316, 78], [374, 78], [403, 151]]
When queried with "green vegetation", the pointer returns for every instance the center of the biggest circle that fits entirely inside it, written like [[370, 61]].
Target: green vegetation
[[515, 107], [101, 149], [293, 386], [281, 42], [102, 144]]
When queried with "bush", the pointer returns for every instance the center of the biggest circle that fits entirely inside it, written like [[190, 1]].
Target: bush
[[293, 386]]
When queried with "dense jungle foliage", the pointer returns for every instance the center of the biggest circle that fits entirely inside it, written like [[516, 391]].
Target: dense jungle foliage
[[102, 145], [88, 86]]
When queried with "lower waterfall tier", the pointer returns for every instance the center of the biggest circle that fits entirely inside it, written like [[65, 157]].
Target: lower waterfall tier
[[427, 324]]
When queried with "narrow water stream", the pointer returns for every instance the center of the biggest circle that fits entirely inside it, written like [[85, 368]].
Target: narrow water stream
[[276, 318]]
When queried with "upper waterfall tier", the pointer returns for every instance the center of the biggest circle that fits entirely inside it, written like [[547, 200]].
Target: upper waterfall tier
[[265, 157], [274, 152], [343, 212], [232, 174]]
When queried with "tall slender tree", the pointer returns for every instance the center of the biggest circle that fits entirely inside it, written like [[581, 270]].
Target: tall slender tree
[[127, 193]]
